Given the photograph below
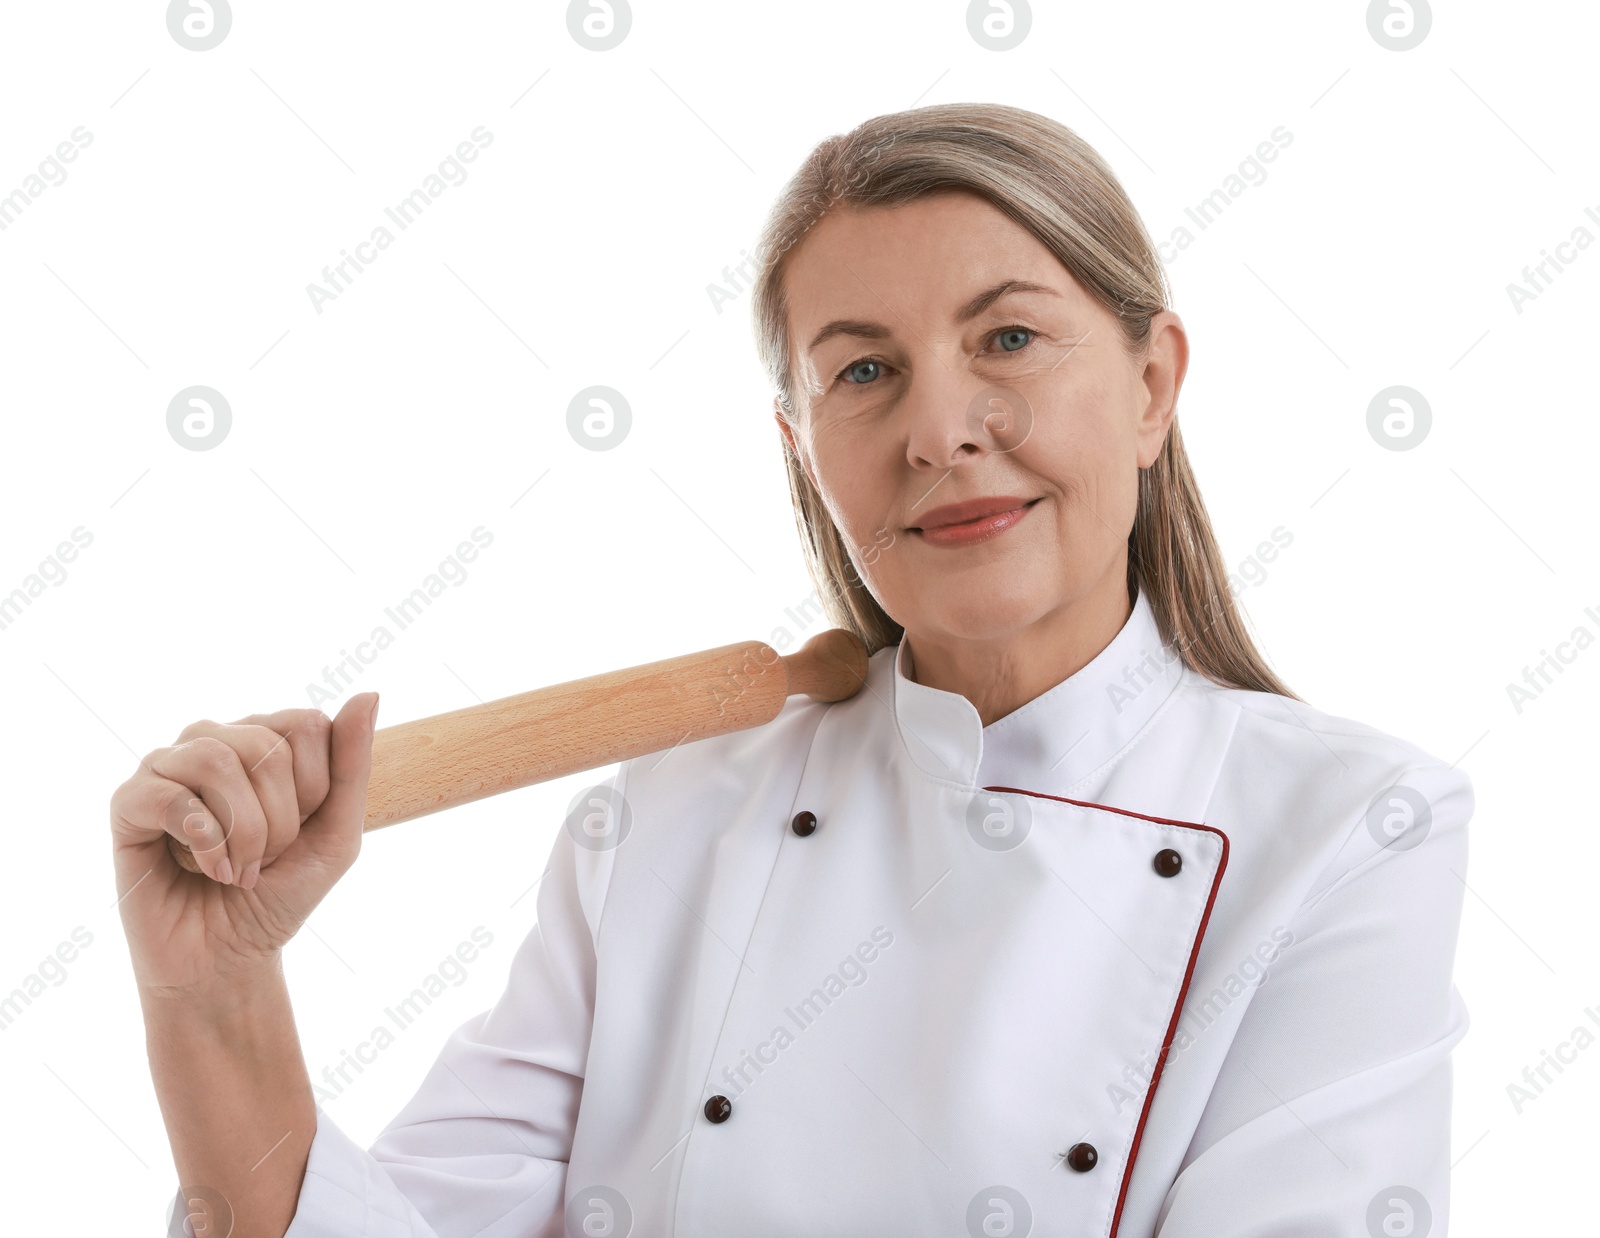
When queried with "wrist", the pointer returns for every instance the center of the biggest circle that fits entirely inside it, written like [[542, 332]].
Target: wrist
[[221, 994]]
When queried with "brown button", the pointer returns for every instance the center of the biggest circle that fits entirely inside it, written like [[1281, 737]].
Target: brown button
[[718, 1108], [1082, 1157], [1168, 862], [804, 823]]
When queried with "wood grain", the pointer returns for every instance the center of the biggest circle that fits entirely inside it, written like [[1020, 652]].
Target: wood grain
[[453, 758]]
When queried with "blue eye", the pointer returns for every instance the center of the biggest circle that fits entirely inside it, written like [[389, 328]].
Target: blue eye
[[844, 374]]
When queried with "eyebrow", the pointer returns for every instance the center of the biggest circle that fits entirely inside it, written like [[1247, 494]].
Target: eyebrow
[[876, 331]]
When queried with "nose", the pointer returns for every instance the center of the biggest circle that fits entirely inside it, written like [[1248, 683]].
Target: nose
[[943, 429]]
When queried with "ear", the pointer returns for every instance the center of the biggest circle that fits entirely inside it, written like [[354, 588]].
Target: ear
[[783, 426], [1166, 362], [788, 434]]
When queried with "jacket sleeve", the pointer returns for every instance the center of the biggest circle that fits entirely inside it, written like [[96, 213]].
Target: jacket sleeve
[[481, 1149], [1330, 1116]]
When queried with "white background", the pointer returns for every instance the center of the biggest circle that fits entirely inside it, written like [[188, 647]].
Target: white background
[[371, 438]]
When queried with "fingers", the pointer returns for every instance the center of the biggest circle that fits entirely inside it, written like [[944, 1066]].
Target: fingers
[[335, 828], [190, 793], [350, 761], [237, 794], [186, 816], [302, 734], [212, 772], [307, 731], [285, 754], [266, 824]]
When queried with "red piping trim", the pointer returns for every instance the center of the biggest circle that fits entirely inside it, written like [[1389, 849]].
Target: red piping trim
[[1183, 990]]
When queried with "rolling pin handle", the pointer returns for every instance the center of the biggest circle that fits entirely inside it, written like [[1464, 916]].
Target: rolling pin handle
[[183, 855], [831, 666], [421, 767]]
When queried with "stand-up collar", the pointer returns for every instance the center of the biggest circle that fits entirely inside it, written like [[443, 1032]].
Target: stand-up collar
[[1059, 737]]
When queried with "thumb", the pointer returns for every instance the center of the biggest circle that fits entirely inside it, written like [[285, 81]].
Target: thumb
[[337, 824]]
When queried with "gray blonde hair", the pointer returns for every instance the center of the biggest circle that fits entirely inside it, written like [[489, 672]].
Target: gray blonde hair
[[1051, 182]]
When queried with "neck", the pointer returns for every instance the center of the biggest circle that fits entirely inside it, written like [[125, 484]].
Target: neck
[[1000, 675]]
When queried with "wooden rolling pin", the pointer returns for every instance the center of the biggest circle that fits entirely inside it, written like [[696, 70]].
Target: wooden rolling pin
[[467, 754]]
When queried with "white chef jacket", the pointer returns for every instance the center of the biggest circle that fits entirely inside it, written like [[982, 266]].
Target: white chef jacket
[[1206, 933]]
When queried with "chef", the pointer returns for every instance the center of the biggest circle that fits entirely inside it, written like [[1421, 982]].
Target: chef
[[1074, 920], [1105, 966]]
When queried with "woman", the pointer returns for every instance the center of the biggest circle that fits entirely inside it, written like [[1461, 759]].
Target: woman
[[1074, 921]]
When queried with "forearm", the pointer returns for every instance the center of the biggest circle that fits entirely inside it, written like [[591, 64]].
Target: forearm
[[234, 1094]]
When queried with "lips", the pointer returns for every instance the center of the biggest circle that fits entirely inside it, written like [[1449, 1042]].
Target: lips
[[975, 520], [970, 510]]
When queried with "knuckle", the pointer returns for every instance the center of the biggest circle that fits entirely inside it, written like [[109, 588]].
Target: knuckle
[[276, 756], [216, 756], [202, 727], [315, 724], [121, 796], [177, 802], [249, 835]]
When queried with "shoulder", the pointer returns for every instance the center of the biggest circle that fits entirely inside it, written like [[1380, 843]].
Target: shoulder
[[1342, 786], [787, 737], [727, 785], [623, 819], [716, 777], [1289, 726]]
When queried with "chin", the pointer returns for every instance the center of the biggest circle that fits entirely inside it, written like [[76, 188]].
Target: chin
[[975, 613]]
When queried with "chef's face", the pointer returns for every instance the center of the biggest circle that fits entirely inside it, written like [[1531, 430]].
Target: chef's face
[[935, 392]]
